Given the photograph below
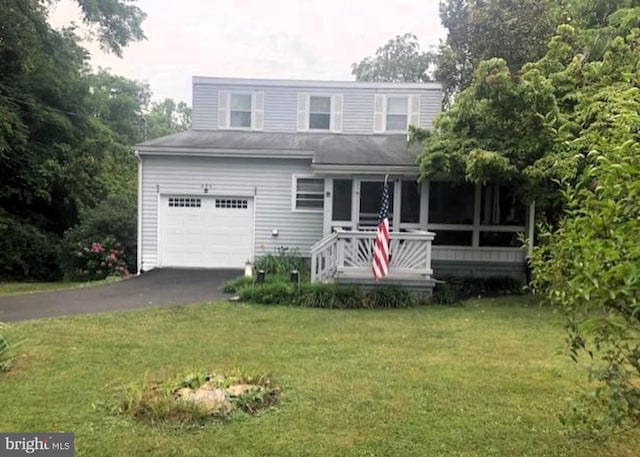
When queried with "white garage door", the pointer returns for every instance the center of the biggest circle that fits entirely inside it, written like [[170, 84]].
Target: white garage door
[[205, 232]]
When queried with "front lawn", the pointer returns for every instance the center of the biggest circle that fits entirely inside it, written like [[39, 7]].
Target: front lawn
[[483, 379]]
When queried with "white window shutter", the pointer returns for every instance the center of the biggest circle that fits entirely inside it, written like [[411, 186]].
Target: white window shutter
[[379, 117], [223, 109], [257, 111], [303, 112], [414, 110], [336, 113]]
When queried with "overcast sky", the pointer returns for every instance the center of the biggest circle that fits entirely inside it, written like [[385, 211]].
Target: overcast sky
[[289, 39]]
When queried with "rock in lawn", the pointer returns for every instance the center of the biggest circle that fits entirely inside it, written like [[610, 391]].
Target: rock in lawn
[[213, 400], [239, 389]]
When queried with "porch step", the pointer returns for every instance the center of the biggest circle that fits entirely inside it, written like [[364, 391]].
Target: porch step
[[416, 283]]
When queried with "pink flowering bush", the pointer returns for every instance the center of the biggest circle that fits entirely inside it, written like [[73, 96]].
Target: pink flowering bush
[[98, 260]]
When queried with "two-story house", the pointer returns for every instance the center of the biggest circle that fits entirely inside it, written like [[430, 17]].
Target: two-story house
[[302, 164]]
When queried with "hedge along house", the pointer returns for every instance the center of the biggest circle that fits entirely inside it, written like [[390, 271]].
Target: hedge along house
[[301, 165]]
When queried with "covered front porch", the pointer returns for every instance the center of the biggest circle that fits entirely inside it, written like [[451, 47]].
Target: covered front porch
[[345, 256], [438, 229]]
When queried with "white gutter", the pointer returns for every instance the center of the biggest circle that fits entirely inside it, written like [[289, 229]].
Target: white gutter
[[139, 246], [349, 169], [241, 153]]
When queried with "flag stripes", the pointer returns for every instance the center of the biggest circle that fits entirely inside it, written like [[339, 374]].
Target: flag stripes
[[380, 264]]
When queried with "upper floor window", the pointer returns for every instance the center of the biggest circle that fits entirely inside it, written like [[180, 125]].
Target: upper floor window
[[240, 110], [394, 113], [397, 114], [320, 112], [240, 114]]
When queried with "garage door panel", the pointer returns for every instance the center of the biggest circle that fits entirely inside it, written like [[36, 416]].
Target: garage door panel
[[207, 232]]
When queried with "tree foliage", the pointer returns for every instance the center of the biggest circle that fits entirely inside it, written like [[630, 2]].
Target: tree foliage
[[500, 129], [399, 60], [564, 129], [516, 31], [65, 135], [119, 104], [167, 117], [115, 23], [44, 171], [590, 264]]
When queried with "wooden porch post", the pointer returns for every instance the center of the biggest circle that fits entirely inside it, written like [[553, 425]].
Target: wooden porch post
[[340, 252], [328, 205]]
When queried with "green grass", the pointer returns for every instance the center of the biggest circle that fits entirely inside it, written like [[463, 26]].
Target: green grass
[[17, 287], [483, 379]]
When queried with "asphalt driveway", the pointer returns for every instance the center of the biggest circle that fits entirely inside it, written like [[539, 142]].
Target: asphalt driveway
[[154, 288]]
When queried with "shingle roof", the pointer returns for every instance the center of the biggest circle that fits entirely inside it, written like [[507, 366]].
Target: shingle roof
[[325, 149]]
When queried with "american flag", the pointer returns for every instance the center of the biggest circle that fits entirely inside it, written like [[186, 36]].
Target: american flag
[[380, 265]]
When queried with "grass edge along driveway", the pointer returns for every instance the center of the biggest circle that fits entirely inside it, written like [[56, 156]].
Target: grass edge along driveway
[[483, 379]]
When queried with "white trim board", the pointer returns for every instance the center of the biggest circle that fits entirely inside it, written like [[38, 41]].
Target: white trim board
[[313, 83]]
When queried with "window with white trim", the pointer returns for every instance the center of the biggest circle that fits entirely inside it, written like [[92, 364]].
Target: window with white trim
[[182, 202], [397, 114], [240, 112], [319, 113], [394, 113], [308, 193], [230, 203]]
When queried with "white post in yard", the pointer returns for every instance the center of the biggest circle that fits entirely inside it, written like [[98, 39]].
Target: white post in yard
[[314, 266], [532, 222]]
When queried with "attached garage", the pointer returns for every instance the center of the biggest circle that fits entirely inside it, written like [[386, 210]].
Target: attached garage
[[199, 231]]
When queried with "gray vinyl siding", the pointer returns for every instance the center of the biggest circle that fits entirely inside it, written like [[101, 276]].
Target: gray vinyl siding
[[479, 254], [443, 269], [358, 111], [430, 107], [281, 106], [280, 110], [271, 180], [204, 114]]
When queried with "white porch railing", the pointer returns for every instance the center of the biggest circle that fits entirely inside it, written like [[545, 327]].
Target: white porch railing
[[324, 255], [349, 254]]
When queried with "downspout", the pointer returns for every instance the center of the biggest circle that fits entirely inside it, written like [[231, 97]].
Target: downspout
[[139, 246]]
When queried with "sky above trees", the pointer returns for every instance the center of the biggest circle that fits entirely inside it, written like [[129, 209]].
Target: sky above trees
[[303, 39]]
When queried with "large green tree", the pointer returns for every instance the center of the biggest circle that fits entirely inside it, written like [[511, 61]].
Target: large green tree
[[399, 60], [500, 129], [516, 31], [564, 129], [115, 23], [590, 264], [52, 143], [166, 117], [119, 104]]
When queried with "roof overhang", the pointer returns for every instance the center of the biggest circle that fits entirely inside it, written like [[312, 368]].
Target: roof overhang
[[256, 82], [216, 152], [329, 153]]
